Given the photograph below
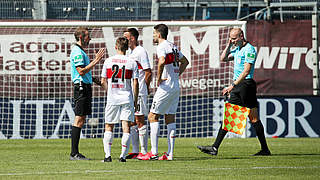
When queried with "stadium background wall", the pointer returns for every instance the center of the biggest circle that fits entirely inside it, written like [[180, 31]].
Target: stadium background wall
[[282, 116], [32, 105]]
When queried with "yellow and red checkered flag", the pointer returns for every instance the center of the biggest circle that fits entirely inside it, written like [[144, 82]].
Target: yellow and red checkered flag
[[235, 118]]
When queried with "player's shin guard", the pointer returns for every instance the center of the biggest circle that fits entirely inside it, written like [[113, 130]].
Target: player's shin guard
[[125, 141], [154, 137], [134, 138], [143, 139], [171, 137], [107, 142]]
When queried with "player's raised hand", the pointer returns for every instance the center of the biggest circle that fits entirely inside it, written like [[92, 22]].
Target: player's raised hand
[[100, 54]]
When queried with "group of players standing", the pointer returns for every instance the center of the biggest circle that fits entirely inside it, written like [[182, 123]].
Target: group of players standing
[[128, 103]]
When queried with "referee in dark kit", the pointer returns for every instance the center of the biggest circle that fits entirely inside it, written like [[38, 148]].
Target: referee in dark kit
[[81, 76]]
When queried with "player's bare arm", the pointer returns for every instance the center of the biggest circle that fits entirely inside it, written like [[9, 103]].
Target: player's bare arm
[[104, 84], [226, 56], [147, 77], [243, 75], [135, 92], [84, 70], [184, 63], [161, 64]]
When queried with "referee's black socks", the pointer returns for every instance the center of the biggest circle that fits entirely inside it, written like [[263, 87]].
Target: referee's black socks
[[221, 134], [75, 137], [258, 126]]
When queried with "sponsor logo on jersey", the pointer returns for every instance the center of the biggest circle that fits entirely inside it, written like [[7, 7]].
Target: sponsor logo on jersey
[[78, 58], [251, 56]]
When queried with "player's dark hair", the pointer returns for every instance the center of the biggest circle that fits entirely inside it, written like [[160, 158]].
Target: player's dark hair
[[162, 29], [133, 32], [122, 44], [80, 31]]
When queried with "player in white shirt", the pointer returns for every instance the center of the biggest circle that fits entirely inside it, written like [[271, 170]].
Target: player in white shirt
[[171, 64], [139, 129], [116, 76]]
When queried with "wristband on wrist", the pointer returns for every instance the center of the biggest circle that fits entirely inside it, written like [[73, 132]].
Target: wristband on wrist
[[233, 84]]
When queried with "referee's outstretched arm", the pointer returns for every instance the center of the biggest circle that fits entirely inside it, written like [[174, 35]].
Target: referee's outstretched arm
[[84, 70]]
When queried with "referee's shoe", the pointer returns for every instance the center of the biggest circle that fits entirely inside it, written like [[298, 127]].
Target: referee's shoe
[[263, 152], [208, 150], [78, 156]]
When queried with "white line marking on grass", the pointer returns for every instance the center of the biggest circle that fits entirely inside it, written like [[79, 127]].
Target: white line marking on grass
[[150, 170], [75, 172]]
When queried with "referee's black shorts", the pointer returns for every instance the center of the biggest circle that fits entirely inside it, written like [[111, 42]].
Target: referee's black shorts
[[245, 94], [82, 99]]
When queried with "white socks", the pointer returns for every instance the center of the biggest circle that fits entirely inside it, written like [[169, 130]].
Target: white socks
[[107, 142], [134, 138], [143, 138], [171, 137], [125, 142], [154, 137]]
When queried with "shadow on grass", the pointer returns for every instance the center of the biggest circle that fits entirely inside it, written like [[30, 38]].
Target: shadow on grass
[[296, 154], [209, 158]]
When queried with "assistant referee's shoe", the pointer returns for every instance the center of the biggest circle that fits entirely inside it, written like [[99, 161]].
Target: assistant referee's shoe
[[263, 152], [208, 150], [78, 156]]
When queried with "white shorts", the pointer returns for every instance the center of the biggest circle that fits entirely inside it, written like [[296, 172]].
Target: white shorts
[[116, 113], [165, 102], [143, 108]]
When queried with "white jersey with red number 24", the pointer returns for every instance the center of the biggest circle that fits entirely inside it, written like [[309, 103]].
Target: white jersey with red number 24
[[119, 70], [171, 68]]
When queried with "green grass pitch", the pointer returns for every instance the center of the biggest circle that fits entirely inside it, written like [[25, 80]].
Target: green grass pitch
[[293, 158]]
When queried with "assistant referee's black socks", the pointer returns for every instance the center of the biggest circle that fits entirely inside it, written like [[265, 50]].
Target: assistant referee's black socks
[[75, 137], [258, 126], [221, 134]]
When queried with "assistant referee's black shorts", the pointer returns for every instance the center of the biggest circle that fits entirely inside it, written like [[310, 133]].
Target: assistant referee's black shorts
[[82, 99], [245, 94]]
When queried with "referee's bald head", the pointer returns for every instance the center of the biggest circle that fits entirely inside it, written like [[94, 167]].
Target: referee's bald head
[[237, 32]]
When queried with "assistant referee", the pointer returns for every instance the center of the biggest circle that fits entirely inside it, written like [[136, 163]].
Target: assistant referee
[[243, 89], [81, 76]]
